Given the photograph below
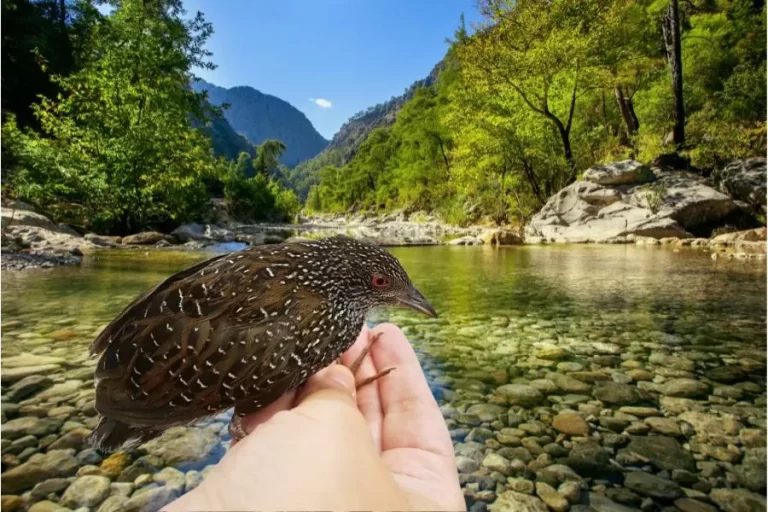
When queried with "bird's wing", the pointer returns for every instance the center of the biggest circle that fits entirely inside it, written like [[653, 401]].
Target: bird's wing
[[105, 338]]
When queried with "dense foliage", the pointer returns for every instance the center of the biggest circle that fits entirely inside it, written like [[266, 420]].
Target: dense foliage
[[544, 89], [102, 129], [253, 189], [116, 148], [252, 195]]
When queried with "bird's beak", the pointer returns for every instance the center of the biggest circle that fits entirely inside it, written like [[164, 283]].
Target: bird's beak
[[415, 300]]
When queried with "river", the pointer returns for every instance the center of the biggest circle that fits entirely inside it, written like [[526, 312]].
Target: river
[[660, 353]]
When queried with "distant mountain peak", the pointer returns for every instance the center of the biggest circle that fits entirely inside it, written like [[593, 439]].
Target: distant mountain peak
[[259, 116]]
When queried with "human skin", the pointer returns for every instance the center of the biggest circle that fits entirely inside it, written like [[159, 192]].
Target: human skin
[[328, 446]]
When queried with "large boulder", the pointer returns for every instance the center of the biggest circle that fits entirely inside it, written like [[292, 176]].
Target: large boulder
[[145, 238], [619, 173], [30, 229], [615, 200], [585, 211], [684, 197], [743, 180]]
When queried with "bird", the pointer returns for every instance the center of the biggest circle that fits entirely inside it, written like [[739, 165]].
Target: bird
[[238, 331]]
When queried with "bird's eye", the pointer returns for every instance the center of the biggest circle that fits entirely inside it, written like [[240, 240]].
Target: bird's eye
[[380, 281]]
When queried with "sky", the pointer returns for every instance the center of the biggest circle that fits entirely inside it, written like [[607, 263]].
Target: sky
[[328, 58]]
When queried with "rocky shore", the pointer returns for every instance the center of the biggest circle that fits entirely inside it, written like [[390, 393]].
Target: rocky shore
[[621, 202], [31, 240]]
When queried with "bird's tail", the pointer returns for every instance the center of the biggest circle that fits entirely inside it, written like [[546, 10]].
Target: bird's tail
[[111, 435]]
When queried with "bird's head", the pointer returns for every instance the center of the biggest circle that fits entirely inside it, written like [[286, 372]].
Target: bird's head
[[378, 279]]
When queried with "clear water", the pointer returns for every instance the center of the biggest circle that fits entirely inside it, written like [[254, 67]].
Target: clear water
[[496, 307]]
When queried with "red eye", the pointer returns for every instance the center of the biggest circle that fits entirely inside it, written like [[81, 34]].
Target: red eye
[[380, 281]]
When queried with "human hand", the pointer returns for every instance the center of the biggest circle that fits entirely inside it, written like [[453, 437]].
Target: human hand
[[327, 446]]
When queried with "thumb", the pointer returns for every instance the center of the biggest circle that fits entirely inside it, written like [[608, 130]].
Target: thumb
[[335, 383]]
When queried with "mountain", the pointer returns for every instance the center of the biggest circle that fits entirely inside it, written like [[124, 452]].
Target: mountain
[[259, 117], [354, 132], [344, 144], [226, 141]]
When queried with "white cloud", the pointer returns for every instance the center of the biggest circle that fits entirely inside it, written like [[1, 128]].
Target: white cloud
[[320, 102]]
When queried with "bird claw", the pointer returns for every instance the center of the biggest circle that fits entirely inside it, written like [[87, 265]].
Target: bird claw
[[372, 338], [376, 377]]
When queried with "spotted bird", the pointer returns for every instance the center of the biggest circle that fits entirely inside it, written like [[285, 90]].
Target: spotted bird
[[238, 330]]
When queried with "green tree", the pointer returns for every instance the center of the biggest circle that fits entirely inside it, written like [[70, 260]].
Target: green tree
[[41, 39], [268, 157], [121, 127], [248, 196], [540, 51]]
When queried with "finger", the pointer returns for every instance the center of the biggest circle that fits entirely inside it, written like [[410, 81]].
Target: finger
[[416, 445], [367, 396], [411, 417], [283, 403], [334, 383]]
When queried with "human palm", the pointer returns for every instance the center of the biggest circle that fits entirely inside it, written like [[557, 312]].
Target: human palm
[[320, 447]]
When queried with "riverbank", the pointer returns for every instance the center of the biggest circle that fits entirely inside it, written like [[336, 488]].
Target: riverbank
[[617, 203], [33, 241]]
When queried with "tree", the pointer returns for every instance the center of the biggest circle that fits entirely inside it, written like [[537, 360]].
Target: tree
[[122, 123], [671, 29], [539, 50], [268, 157], [40, 39], [247, 194], [629, 58]]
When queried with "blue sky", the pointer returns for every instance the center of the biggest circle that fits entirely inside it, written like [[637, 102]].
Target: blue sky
[[349, 53]]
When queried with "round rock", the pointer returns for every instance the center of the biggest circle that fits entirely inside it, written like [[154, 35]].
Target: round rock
[[86, 491], [571, 424]]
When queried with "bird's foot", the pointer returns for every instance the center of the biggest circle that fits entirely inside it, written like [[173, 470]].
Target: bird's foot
[[236, 428], [372, 338], [376, 377]]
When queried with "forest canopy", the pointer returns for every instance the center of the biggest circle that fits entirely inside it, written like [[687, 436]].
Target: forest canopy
[[544, 89], [101, 128]]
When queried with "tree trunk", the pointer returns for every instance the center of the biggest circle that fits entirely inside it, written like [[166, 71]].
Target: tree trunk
[[502, 215], [566, 137], [62, 14], [631, 107], [610, 129], [671, 31], [445, 157], [627, 113]]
